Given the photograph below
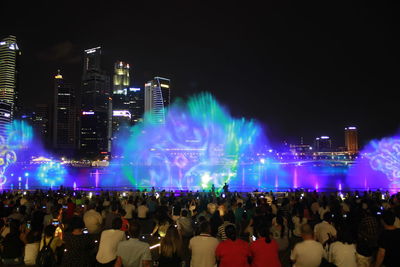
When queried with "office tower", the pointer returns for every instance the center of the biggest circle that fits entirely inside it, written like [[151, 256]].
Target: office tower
[[5, 117], [121, 76], [157, 98], [323, 144], [351, 139], [39, 117], [121, 113], [8, 79], [136, 104], [64, 115], [96, 106]]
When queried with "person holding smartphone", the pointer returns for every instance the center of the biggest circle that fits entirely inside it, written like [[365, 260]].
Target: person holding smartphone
[[49, 234]]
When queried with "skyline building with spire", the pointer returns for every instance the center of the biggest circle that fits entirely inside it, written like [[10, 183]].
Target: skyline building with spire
[[9, 52]]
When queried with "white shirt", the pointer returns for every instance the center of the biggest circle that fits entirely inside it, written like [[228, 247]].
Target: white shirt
[[93, 220], [31, 252], [129, 208], [323, 230], [133, 252], [203, 250], [342, 255], [142, 211], [322, 211], [308, 253], [297, 225], [108, 245], [397, 223]]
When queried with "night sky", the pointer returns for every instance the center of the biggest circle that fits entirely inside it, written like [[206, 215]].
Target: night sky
[[301, 70]]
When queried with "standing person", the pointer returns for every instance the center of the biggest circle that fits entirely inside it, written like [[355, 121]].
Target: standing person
[[129, 209], [31, 248], [308, 253], [232, 252], [342, 253], [298, 221], [13, 247], [203, 247], [142, 210], [170, 249], [388, 242], [265, 250], [185, 224], [50, 239], [280, 231], [70, 208], [93, 219], [325, 230], [111, 216], [133, 252], [78, 246], [324, 208], [109, 240]]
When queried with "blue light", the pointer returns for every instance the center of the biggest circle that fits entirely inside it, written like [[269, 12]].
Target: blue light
[[51, 173]]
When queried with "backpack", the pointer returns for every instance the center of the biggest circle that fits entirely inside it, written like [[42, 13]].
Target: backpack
[[46, 256]]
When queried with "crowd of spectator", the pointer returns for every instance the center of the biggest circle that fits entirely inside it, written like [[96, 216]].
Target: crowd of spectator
[[200, 229]]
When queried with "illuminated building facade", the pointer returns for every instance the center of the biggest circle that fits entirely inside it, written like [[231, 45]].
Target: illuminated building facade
[[323, 144], [5, 117], [121, 76], [8, 79], [156, 98], [64, 115], [136, 104], [351, 139], [121, 114], [96, 106]]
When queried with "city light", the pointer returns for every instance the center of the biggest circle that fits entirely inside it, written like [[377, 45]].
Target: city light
[[122, 113], [87, 112], [92, 50]]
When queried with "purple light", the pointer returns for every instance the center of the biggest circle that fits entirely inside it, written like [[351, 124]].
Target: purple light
[[87, 112], [324, 137]]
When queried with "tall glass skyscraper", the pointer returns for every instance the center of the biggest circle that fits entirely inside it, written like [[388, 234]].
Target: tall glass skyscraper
[[64, 115], [157, 97], [96, 108], [8, 80]]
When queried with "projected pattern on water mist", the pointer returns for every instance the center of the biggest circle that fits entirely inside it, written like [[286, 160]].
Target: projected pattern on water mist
[[199, 144], [385, 157], [18, 136]]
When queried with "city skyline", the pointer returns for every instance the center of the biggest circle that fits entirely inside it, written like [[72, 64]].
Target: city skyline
[[307, 74]]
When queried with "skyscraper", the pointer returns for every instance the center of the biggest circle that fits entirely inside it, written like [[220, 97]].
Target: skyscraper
[[121, 113], [351, 139], [39, 117], [64, 115], [121, 76], [96, 108], [8, 79], [323, 144], [157, 98], [5, 117], [136, 104]]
